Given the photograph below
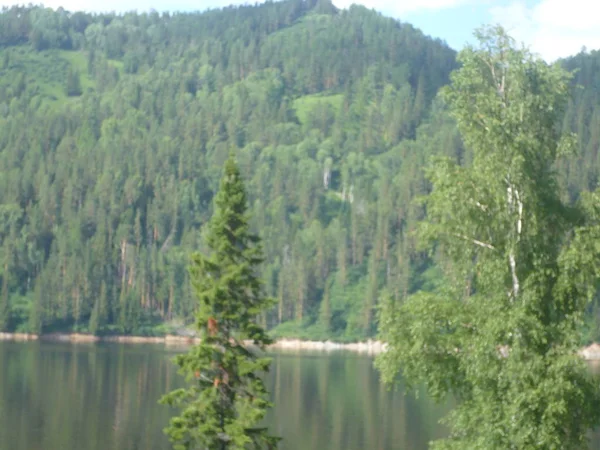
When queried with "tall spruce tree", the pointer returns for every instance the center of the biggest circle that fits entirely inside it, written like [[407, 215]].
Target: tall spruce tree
[[501, 336], [227, 398], [73, 83]]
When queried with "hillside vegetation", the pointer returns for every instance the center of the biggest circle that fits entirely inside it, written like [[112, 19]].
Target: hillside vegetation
[[114, 130]]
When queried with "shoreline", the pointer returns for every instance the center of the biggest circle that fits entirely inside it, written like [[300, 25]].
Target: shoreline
[[371, 347]]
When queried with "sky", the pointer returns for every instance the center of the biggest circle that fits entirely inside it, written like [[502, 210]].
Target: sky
[[551, 28]]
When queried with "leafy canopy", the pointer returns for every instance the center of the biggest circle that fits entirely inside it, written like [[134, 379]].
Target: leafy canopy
[[227, 397], [501, 334]]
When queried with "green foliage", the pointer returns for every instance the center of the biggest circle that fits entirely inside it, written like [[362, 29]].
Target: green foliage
[[501, 333], [318, 107], [227, 397], [73, 83], [591, 328], [114, 184], [332, 115], [45, 75]]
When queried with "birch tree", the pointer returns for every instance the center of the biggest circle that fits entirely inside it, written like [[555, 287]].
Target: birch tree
[[501, 335]]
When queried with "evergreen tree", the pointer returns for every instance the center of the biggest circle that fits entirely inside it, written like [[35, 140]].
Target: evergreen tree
[[4, 305], [501, 336], [98, 315], [227, 397], [73, 83]]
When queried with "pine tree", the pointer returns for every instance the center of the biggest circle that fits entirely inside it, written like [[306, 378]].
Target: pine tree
[[4, 291], [226, 399], [502, 333], [73, 83], [36, 319], [98, 315], [4, 305]]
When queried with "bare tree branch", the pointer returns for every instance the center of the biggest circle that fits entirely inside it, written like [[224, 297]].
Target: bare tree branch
[[475, 241]]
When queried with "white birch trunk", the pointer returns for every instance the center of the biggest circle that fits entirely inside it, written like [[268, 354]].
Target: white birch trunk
[[514, 200]]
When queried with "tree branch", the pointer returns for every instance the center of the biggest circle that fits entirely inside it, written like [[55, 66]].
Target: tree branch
[[475, 241]]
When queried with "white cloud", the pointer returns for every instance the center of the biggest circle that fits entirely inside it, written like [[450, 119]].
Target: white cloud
[[552, 28], [398, 8]]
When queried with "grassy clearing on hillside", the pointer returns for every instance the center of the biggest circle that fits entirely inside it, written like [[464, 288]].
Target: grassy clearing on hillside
[[44, 72], [314, 17], [78, 61], [307, 104]]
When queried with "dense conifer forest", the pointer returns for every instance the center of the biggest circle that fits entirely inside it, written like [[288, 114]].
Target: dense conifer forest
[[114, 130]]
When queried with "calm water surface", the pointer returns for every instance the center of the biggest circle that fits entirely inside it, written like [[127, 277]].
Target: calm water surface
[[104, 397]]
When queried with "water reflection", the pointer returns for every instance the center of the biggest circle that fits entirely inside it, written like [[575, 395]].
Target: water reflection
[[99, 397], [337, 402]]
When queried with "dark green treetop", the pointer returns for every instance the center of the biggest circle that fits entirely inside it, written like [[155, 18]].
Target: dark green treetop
[[226, 400]]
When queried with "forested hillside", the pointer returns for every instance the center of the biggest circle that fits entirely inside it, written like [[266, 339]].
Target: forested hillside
[[114, 129]]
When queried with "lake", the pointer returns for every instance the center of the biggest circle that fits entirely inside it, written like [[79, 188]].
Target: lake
[[60, 396]]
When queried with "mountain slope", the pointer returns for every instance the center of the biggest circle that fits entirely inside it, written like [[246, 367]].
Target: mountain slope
[[113, 130]]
